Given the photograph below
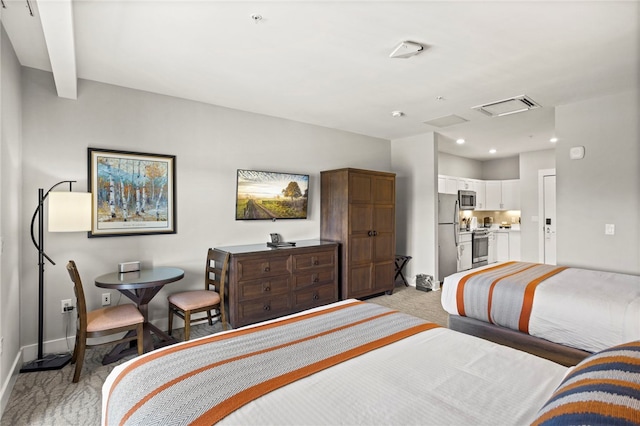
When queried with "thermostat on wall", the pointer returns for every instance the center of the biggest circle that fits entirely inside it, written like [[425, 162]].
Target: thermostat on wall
[[576, 153]]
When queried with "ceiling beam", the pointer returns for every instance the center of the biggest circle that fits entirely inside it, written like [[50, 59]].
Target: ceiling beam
[[56, 17]]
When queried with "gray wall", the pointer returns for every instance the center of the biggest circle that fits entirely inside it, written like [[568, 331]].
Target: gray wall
[[530, 226], [414, 159], [501, 168], [210, 144], [604, 187], [452, 165], [10, 214]]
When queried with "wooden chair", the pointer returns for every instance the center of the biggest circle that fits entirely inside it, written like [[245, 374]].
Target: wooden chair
[[187, 303], [101, 322]]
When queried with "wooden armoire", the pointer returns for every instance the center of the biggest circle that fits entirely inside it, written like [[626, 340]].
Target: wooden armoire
[[358, 211]]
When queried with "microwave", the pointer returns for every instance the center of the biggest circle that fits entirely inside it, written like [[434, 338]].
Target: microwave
[[467, 200]]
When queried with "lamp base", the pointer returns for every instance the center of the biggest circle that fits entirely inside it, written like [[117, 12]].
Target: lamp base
[[50, 362]]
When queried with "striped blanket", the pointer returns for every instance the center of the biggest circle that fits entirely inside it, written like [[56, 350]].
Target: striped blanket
[[202, 381], [503, 294]]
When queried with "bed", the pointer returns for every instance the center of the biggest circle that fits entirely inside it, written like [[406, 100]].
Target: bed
[[350, 362], [563, 314]]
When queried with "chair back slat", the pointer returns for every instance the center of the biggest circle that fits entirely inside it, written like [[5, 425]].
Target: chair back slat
[[81, 305], [216, 271]]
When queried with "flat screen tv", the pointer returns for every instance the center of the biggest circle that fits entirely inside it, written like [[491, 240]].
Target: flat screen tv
[[264, 195]]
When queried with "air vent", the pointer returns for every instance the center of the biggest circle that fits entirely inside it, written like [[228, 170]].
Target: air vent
[[447, 120], [507, 106]]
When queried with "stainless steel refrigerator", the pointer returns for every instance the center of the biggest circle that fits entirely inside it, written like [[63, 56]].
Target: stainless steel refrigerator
[[448, 235]]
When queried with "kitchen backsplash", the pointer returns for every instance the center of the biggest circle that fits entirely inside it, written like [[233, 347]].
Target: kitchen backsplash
[[511, 217]]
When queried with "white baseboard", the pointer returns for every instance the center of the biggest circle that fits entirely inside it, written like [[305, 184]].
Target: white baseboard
[[65, 345], [7, 386]]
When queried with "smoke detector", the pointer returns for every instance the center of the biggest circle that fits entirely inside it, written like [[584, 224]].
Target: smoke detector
[[406, 49], [513, 105]]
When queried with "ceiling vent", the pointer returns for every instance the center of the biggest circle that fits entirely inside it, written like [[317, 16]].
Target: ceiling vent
[[447, 120], [507, 106]]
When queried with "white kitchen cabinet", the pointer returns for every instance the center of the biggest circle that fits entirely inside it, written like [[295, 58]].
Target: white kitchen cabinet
[[464, 252], [492, 255], [514, 246], [447, 184], [493, 194], [508, 246], [490, 194], [511, 194], [502, 194], [466, 184], [502, 249], [480, 188]]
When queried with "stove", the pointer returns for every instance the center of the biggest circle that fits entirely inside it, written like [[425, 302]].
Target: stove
[[479, 247]]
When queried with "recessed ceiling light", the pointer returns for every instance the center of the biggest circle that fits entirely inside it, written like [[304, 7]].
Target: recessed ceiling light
[[492, 151], [397, 113], [553, 140], [460, 141]]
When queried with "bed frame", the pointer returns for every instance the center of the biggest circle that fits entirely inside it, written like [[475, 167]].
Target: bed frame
[[543, 348]]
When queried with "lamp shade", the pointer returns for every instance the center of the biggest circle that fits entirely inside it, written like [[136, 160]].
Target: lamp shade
[[69, 211]]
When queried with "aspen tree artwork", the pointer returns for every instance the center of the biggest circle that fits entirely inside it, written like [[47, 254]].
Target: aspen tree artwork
[[133, 193]]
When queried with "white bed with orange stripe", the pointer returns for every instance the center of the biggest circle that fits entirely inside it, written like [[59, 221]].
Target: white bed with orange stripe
[[579, 308], [347, 363]]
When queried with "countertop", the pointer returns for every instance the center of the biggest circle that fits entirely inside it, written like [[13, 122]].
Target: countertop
[[496, 228]]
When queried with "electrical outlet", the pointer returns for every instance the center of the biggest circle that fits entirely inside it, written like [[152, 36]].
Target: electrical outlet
[[106, 299], [66, 306]]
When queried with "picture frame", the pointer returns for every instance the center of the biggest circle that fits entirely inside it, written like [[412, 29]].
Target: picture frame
[[133, 193]]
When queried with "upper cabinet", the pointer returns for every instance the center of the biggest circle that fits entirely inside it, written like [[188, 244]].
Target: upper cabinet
[[490, 194], [502, 194], [481, 194], [447, 185]]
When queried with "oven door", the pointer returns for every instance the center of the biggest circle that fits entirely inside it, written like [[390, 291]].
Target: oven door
[[479, 250]]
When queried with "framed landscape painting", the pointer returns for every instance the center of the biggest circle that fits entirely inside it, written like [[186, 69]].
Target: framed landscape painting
[[133, 193]]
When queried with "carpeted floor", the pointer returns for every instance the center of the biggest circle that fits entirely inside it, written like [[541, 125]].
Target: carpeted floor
[[50, 398]]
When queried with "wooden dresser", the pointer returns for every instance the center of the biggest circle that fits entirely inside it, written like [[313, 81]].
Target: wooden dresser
[[267, 282], [357, 209]]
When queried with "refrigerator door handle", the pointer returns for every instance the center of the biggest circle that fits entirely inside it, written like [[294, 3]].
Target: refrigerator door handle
[[456, 227]]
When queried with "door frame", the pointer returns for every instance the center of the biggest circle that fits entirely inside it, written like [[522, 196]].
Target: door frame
[[541, 174]]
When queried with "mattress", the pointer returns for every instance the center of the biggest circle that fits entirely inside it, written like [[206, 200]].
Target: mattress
[[584, 309], [436, 376]]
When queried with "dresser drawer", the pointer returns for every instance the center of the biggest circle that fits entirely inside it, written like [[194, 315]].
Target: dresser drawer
[[315, 296], [320, 259], [304, 279], [262, 309], [264, 267], [263, 287]]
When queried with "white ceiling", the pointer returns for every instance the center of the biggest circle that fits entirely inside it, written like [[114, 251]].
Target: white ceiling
[[327, 63]]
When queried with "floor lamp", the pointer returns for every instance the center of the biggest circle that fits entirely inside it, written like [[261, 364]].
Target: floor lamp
[[68, 212]]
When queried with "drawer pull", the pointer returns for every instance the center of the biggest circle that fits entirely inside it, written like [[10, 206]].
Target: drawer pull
[[315, 262], [316, 279], [267, 288], [267, 307], [316, 296], [267, 269]]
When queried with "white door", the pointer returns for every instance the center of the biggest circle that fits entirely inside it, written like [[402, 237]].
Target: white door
[[549, 219]]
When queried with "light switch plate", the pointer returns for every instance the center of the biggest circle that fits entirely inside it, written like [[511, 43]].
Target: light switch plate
[[609, 229]]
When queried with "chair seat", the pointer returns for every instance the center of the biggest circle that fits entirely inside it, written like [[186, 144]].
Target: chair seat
[[190, 300], [113, 317]]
